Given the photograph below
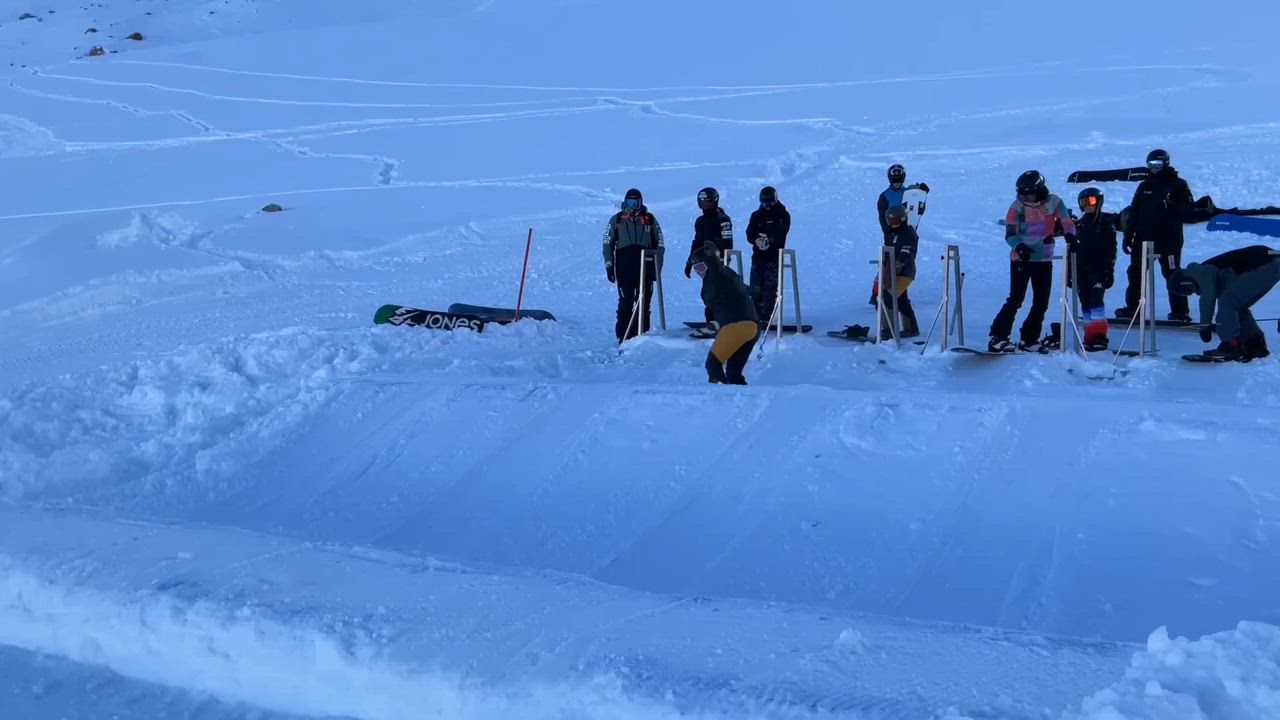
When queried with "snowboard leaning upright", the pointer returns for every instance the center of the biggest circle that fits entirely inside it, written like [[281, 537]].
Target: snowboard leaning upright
[[915, 198]]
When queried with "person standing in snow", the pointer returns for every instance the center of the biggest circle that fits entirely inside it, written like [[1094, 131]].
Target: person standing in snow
[[1030, 224], [1161, 204], [905, 242], [1095, 264], [630, 232], [767, 230], [714, 226], [890, 197], [734, 310], [1232, 283]]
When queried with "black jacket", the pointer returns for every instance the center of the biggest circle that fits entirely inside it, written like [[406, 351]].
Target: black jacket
[[905, 244], [1243, 260], [1161, 204], [713, 225], [774, 222], [1095, 247]]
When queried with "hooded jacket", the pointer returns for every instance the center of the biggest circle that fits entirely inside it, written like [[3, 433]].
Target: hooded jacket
[[1215, 275], [724, 292]]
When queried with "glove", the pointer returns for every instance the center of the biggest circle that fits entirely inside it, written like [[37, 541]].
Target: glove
[[923, 186], [608, 272], [1206, 333], [1127, 244], [688, 269], [1024, 252], [762, 241], [1072, 242]]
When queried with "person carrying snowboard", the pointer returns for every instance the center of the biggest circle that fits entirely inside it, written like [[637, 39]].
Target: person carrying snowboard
[[767, 231], [1232, 282], [715, 226], [893, 195], [734, 310], [630, 231], [1095, 264], [1161, 204], [1030, 225], [905, 242]]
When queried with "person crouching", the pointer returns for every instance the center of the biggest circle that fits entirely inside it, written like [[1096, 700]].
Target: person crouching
[[734, 311]]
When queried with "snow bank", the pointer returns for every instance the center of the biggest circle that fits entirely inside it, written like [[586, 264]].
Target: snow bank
[[237, 656], [1232, 675]]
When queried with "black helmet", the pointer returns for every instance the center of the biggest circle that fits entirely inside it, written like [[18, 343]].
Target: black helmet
[[897, 174], [896, 212], [768, 195], [1031, 183], [1157, 160], [632, 195], [1090, 197], [708, 197]]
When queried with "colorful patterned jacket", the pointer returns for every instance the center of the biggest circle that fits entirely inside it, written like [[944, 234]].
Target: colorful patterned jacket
[[1035, 227]]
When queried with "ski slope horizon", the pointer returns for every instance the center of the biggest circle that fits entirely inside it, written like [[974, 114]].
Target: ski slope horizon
[[225, 493]]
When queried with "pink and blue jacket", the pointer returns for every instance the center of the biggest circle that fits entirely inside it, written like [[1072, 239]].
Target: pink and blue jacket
[[1035, 227]]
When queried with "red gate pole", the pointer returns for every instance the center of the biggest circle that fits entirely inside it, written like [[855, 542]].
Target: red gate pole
[[527, 246]]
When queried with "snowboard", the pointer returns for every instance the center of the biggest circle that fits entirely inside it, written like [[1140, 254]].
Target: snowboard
[[1124, 322], [499, 315], [985, 353], [431, 319], [698, 325], [1265, 226], [1198, 358], [1118, 175], [915, 198], [866, 338]]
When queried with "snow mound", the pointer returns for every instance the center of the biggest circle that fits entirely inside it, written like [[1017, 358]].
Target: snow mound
[[1233, 675]]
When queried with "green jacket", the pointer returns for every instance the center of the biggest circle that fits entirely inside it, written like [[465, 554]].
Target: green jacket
[[632, 227], [728, 297], [1212, 280]]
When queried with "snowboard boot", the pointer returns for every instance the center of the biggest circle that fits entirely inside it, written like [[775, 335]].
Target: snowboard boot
[[715, 371], [1097, 343], [1052, 341], [1095, 335], [910, 328], [1126, 313], [1179, 317], [1000, 345], [709, 330], [1227, 351], [1255, 348], [856, 331], [1034, 346]]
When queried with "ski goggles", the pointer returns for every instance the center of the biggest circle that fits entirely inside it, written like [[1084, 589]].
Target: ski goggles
[[1088, 202], [631, 203], [1155, 165], [1029, 198]]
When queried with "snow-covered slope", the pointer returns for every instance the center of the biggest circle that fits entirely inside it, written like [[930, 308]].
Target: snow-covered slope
[[226, 494]]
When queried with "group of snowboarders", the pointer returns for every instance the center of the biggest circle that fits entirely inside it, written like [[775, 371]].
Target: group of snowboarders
[[737, 311], [731, 307]]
